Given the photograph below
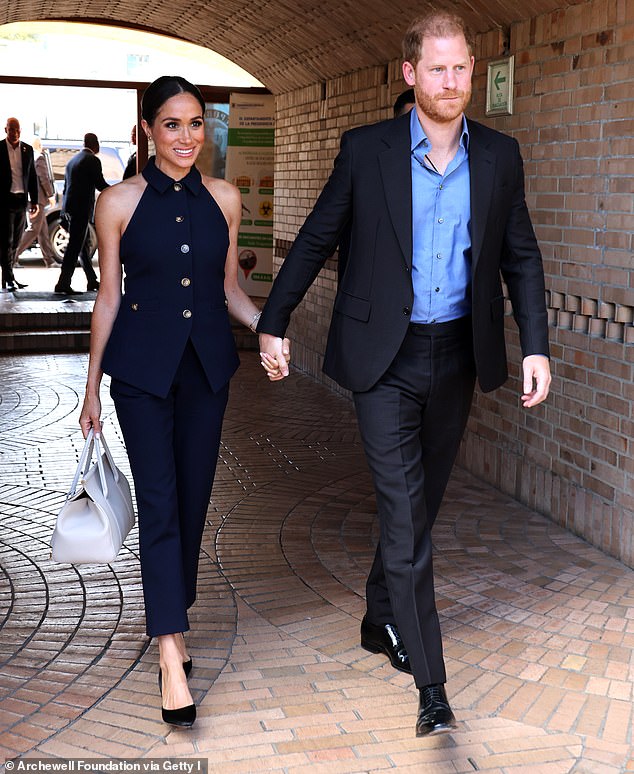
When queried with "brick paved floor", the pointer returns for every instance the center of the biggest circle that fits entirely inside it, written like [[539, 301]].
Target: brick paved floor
[[538, 625]]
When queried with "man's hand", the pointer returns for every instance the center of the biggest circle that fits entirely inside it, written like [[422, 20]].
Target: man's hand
[[536, 370], [33, 209], [275, 355]]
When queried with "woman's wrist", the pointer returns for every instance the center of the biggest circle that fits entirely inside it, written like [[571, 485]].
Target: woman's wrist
[[93, 389], [253, 325]]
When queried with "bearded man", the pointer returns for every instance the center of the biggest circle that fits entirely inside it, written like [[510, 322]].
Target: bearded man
[[435, 208]]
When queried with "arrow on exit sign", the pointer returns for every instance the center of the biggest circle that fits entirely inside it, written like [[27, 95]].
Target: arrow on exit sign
[[499, 78]]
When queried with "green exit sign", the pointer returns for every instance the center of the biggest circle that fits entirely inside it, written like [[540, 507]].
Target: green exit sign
[[500, 87]]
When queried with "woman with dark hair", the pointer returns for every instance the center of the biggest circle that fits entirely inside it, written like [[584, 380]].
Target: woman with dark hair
[[167, 344]]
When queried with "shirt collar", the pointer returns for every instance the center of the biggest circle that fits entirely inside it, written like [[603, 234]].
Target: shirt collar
[[161, 182], [419, 137]]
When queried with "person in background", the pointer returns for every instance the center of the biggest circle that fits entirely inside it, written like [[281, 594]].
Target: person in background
[[437, 215], [38, 225], [168, 346], [18, 189], [404, 102], [130, 167], [83, 175]]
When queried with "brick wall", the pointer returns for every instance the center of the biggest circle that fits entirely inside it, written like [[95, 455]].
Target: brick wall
[[571, 458]]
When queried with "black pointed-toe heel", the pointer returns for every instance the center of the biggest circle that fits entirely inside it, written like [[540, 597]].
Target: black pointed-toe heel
[[187, 667], [181, 716]]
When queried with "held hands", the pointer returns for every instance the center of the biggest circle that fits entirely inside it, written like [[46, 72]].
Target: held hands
[[275, 355], [536, 370]]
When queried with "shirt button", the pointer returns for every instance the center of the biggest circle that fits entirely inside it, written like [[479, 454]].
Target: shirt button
[[437, 290], [441, 220], [179, 218], [406, 310], [440, 186], [187, 314], [186, 282], [184, 248], [438, 255], [178, 187], [134, 307]]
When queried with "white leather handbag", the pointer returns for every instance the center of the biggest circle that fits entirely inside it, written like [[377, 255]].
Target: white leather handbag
[[98, 514]]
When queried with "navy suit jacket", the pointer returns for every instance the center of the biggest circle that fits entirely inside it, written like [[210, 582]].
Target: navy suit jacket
[[29, 177], [82, 176], [370, 192]]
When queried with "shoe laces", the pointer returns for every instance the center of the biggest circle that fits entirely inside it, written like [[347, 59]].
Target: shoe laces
[[433, 694]]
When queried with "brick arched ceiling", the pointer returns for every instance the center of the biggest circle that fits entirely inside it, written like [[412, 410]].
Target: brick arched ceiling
[[286, 44]]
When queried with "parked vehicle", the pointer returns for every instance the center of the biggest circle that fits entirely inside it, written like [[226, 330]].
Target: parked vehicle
[[60, 152]]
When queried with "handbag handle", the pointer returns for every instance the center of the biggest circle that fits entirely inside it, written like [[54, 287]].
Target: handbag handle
[[102, 473], [93, 441], [115, 470], [84, 458]]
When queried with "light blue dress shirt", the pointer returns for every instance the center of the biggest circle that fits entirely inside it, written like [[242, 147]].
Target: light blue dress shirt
[[441, 220]]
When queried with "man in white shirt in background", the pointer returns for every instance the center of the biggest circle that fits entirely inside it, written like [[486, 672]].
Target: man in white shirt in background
[[38, 225], [18, 188]]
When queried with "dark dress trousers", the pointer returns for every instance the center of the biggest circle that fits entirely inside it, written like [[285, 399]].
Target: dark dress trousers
[[13, 206], [171, 355], [82, 176], [413, 384]]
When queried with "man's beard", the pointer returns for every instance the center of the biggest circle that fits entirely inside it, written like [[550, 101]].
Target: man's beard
[[442, 110]]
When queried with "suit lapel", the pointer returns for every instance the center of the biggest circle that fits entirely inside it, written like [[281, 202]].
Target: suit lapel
[[5, 166], [396, 172], [395, 165], [482, 174]]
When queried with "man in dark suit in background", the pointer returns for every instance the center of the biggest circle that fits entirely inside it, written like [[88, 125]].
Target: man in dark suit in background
[[404, 102], [436, 210], [18, 186], [82, 176], [130, 168]]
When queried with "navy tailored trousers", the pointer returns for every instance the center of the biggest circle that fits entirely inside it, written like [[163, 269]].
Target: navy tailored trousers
[[172, 444], [411, 423]]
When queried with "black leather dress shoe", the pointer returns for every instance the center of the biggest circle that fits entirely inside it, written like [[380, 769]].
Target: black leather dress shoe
[[434, 713], [18, 285], [93, 286], [66, 290], [384, 638], [181, 716]]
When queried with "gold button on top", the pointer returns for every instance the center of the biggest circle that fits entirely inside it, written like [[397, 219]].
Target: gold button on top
[[177, 187], [184, 248], [186, 282], [179, 218], [134, 307], [186, 314]]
